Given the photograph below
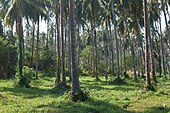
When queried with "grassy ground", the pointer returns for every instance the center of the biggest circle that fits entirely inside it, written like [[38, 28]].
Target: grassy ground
[[104, 97]]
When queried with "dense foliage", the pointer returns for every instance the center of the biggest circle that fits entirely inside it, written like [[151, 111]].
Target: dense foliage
[[8, 58]]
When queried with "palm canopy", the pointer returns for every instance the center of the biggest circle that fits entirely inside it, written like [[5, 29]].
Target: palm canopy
[[30, 9]]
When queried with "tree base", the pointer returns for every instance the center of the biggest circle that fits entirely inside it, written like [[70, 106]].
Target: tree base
[[118, 81], [22, 82], [97, 79], [150, 87], [61, 86], [126, 75], [79, 96]]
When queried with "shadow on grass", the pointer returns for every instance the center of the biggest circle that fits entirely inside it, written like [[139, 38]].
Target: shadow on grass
[[89, 106], [100, 85], [47, 79], [157, 110], [122, 89], [30, 93], [117, 88], [121, 82]]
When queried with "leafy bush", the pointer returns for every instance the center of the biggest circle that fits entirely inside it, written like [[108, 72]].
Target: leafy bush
[[8, 58], [46, 61], [25, 79]]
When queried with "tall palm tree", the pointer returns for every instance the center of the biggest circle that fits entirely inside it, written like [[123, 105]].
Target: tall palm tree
[[75, 84], [32, 49], [20, 35], [58, 79], [146, 26], [62, 42], [117, 44], [91, 8], [37, 45]]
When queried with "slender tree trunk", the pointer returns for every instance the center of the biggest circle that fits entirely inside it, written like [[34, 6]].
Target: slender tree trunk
[[65, 40], [47, 43], [95, 39], [23, 49], [146, 26], [148, 82], [78, 45], [58, 78], [125, 70], [112, 50], [32, 49], [152, 58], [55, 50], [121, 42], [107, 50], [75, 88], [37, 51], [117, 45], [19, 30], [159, 56], [93, 51], [138, 61], [163, 50], [133, 61], [62, 43], [69, 53], [143, 62], [96, 60]]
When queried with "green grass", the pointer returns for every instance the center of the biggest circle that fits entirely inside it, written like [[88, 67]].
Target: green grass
[[104, 97]]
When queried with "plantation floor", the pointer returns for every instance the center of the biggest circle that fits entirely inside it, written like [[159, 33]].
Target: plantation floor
[[104, 97]]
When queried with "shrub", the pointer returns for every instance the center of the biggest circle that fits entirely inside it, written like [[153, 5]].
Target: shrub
[[8, 59], [25, 79]]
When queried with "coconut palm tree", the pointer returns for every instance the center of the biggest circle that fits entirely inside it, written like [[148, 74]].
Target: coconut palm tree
[[117, 44], [62, 42], [20, 35], [75, 84], [146, 26]]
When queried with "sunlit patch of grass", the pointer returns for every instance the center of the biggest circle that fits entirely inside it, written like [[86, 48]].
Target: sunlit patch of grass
[[103, 97]]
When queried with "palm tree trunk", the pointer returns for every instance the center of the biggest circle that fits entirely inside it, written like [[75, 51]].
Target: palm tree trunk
[[75, 75], [121, 42], [62, 44], [124, 57], [152, 58], [37, 51], [163, 49], [19, 29], [143, 62], [117, 45], [55, 49], [58, 79], [69, 53], [32, 49], [92, 36], [78, 45], [47, 42], [138, 61], [146, 26], [96, 60], [107, 50], [23, 49], [159, 56], [133, 61], [112, 50], [95, 39]]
